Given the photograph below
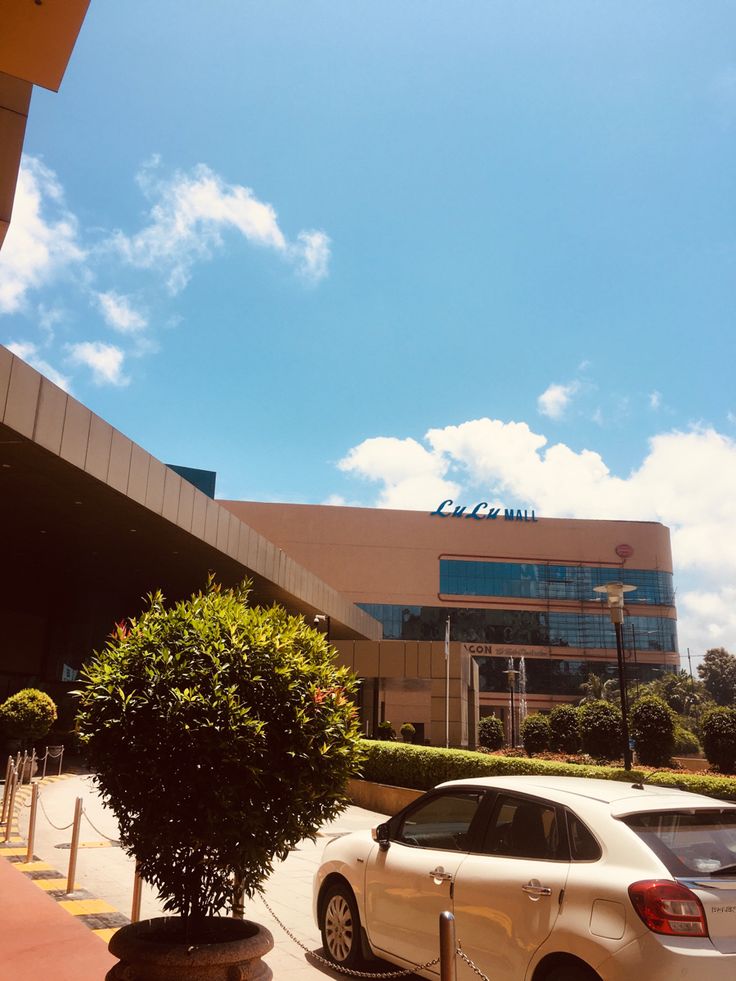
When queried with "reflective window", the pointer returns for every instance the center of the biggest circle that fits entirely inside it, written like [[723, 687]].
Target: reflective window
[[525, 627], [523, 828], [441, 822], [554, 676], [460, 577], [583, 846], [690, 842]]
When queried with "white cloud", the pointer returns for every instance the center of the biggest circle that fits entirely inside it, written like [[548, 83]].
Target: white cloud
[[120, 314], [104, 360], [655, 400], [28, 352], [42, 239], [687, 480], [555, 399], [188, 216]]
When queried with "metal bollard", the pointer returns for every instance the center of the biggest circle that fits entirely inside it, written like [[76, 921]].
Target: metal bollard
[[74, 846], [6, 789], [448, 946], [135, 912], [11, 804], [32, 822]]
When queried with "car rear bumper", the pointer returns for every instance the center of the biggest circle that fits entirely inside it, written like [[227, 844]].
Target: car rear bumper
[[657, 958]]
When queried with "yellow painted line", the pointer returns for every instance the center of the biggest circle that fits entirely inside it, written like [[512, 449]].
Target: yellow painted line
[[34, 867], [80, 907], [13, 852], [51, 885], [95, 844], [107, 934]]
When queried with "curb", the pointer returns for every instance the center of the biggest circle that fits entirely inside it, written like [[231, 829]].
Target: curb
[[101, 918]]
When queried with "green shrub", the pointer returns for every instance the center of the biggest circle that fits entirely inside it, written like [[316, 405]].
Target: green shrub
[[28, 715], [220, 735], [490, 733], [652, 727], [423, 767], [719, 738], [564, 724], [600, 730], [535, 733], [408, 732], [386, 731], [686, 742]]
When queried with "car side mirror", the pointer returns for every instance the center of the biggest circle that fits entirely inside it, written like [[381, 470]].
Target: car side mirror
[[381, 836]]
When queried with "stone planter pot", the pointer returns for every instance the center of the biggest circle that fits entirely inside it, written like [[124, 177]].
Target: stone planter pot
[[152, 950]]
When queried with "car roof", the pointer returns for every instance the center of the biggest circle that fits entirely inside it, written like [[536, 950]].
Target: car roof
[[621, 797]]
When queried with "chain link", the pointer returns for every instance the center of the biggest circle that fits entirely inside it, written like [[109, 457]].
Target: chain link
[[115, 841], [473, 967], [347, 970], [58, 828]]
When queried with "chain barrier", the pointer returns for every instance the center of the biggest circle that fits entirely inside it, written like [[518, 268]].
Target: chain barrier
[[58, 828], [347, 970], [114, 841], [473, 967]]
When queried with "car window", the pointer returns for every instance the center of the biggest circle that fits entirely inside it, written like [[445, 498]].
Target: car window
[[441, 822], [583, 845], [523, 828], [689, 842]]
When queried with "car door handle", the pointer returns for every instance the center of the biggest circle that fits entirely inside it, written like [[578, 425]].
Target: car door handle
[[439, 874], [536, 889]]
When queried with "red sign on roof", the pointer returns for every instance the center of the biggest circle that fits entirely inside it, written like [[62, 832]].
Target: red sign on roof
[[624, 551]]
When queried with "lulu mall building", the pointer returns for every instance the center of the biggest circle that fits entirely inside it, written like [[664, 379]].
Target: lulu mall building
[[92, 522]]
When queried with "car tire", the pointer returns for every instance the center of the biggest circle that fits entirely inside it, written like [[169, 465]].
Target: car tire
[[571, 972], [340, 926]]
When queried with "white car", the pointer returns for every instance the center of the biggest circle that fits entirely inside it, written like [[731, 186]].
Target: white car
[[549, 879]]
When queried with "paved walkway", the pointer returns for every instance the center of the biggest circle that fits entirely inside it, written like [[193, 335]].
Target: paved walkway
[[107, 873]]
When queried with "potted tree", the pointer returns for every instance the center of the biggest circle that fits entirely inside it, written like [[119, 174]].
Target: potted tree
[[220, 734], [25, 718]]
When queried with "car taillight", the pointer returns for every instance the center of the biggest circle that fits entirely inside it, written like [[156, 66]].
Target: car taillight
[[668, 907]]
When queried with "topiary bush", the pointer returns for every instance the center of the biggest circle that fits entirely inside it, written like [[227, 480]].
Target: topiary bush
[[27, 716], [408, 732], [600, 730], [220, 735], [564, 724], [652, 728], [719, 738], [385, 731], [535, 733], [686, 742], [490, 733]]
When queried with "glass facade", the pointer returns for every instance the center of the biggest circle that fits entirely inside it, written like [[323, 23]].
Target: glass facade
[[557, 677], [459, 577], [527, 627]]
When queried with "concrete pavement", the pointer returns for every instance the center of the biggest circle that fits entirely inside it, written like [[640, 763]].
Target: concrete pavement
[[107, 873]]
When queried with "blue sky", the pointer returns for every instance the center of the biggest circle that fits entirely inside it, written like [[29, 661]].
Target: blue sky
[[375, 253]]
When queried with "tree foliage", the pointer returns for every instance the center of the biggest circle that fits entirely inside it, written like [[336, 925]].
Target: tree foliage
[[718, 672], [564, 723], [220, 734], [490, 733], [595, 689], [28, 715], [719, 738], [600, 730], [535, 733], [652, 726]]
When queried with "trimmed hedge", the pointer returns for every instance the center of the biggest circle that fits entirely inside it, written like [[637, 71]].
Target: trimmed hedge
[[600, 730], [490, 733], [564, 724], [535, 733], [423, 767], [653, 729]]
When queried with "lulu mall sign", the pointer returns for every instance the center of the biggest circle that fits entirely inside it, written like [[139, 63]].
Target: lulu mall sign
[[481, 512]]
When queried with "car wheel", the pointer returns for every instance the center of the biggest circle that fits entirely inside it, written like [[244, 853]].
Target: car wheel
[[340, 926], [571, 972]]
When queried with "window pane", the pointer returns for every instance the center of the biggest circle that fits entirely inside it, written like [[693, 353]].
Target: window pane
[[583, 846], [443, 822], [523, 829], [696, 842]]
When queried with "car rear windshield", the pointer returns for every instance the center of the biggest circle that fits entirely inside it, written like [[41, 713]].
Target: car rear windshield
[[690, 842]]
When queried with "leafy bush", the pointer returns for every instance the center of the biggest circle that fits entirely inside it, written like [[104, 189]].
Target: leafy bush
[[220, 735], [719, 738], [386, 731], [490, 733], [652, 727], [535, 733], [423, 767], [600, 730], [686, 742], [564, 724], [408, 732], [28, 715]]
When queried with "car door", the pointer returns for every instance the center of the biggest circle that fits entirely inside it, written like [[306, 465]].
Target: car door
[[409, 882], [507, 898]]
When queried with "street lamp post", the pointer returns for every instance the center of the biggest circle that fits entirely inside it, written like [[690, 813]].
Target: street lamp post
[[615, 594]]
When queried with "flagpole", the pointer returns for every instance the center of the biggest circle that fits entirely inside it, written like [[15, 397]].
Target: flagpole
[[447, 682]]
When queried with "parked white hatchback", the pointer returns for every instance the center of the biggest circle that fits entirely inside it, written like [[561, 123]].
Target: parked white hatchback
[[549, 879]]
